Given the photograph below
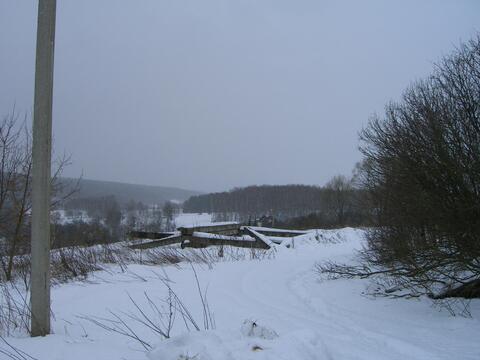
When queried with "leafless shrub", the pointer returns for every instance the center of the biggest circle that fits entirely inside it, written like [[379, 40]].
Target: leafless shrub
[[158, 317], [171, 255], [455, 306], [77, 262], [208, 320], [15, 189], [118, 325], [14, 310], [421, 170], [73, 262], [396, 281]]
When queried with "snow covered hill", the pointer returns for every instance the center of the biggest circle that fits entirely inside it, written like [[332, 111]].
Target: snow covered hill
[[274, 308], [124, 192]]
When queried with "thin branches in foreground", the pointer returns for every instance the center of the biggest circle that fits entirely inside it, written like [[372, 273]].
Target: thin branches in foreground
[[158, 317], [399, 280], [12, 352]]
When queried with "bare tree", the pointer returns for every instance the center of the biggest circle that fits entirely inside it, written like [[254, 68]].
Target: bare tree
[[422, 173], [15, 188], [170, 210], [339, 198]]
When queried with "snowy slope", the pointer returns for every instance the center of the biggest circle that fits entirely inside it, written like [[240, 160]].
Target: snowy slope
[[309, 319]]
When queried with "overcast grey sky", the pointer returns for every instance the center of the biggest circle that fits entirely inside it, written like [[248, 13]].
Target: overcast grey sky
[[212, 94]]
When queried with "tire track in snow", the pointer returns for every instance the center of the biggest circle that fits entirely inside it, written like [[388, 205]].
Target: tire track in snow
[[289, 309], [333, 313]]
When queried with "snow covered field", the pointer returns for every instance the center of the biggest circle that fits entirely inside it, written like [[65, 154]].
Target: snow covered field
[[191, 219], [296, 316]]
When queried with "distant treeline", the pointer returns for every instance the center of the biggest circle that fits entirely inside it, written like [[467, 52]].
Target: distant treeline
[[336, 204], [284, 201]]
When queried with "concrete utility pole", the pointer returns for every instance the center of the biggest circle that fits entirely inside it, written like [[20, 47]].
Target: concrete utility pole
[[41, 170]]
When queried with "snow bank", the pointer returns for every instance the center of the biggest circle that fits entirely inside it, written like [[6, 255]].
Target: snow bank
[[252, 329], [250, 342]]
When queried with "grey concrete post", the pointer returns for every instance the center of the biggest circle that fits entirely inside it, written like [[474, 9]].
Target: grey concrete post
[[41, 170]]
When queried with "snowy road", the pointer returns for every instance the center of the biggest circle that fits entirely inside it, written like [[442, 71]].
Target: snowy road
[[286, 295], [313, 319]]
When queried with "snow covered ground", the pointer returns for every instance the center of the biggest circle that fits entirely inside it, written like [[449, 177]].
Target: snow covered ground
[[192, 219], [263, 309]]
